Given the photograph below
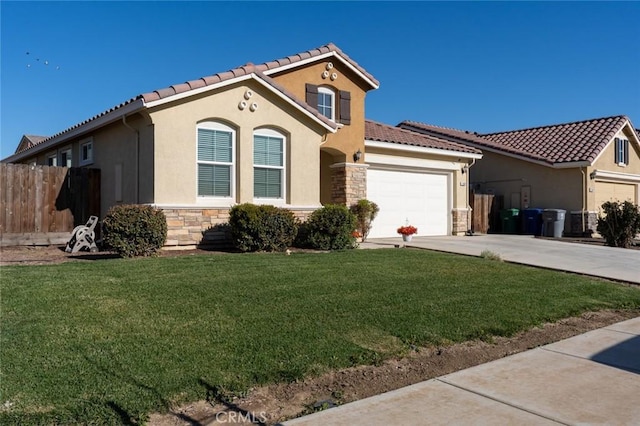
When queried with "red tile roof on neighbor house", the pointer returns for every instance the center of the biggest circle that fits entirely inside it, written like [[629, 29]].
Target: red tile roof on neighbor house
[[260, 70], [580, 141], [375, 131]]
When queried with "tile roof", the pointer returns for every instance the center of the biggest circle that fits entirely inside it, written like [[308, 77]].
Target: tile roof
[[449, 133], [375, 131], [251, 68], [553, 144], [27, 141], [259, 70]]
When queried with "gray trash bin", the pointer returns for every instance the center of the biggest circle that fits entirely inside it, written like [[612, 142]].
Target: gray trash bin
[[553, 220]]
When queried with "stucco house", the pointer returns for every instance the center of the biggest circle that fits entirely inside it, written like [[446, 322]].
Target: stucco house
[[290, 132], [571, 166]]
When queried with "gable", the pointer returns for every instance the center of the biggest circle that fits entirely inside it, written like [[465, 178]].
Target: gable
[[606, 160]]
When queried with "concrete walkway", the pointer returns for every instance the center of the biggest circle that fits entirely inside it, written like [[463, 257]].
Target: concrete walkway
[[599, 261], [593, 378]]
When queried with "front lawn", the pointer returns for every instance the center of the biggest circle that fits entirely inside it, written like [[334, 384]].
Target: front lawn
[[111, 341]]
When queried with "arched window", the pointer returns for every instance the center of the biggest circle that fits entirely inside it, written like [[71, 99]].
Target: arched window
[[216, 160], [327, 102], [269, 175]]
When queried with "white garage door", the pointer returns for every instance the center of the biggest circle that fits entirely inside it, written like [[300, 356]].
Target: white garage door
[[422, 199]]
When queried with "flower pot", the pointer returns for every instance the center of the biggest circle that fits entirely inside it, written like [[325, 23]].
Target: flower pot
[[407, 238]]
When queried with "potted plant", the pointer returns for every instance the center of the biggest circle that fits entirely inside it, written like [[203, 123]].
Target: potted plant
[[407, 232]]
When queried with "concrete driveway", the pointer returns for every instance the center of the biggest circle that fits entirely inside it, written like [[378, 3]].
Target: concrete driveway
[[599, 261]]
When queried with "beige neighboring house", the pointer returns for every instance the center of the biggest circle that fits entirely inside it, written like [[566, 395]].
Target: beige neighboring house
[[289, 132], [572, 166]]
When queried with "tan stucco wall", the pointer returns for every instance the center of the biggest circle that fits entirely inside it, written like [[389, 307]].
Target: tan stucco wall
[[550, 188], [113, 145], [606, 162], [348, 139], [175, 144]]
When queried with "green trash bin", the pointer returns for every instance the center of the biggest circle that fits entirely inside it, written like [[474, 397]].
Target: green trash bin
[[509, 219]]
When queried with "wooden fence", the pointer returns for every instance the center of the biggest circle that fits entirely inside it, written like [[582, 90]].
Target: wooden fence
[[485, 216], [40, 204]]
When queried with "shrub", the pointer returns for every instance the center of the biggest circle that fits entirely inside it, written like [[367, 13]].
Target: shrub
[[364, 211], [619, 224], [134, 230], [262, 228], [331, 228]]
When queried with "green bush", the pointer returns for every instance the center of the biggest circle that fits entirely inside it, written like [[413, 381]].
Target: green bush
[[331, 228], [262, 228], [364, 211], [619, 224], [134, 230]]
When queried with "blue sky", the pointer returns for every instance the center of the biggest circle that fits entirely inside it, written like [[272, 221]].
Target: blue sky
[[483, 66]]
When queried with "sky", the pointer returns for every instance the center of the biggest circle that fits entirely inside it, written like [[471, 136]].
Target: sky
[[480, 66]]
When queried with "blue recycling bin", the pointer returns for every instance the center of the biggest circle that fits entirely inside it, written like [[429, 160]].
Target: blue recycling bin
[[532, 221]]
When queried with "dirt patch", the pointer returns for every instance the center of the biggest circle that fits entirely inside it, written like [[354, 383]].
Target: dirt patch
[[48, 255], [279, 402]]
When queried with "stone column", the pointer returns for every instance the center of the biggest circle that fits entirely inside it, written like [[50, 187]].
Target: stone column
[[460, 221], [348, 183]]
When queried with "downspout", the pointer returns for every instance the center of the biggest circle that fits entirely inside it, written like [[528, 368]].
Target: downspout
[[467, 182], [137, 159], [584, 197]]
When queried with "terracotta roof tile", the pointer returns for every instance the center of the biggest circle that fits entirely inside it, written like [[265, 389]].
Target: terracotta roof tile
[[553, 144], [561, 143], [375, 131]]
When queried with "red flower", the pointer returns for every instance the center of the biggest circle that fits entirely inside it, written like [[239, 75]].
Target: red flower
[[407, 230]]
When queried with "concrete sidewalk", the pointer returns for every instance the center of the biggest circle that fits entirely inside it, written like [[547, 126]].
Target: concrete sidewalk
[[593, 378], [598, 261]]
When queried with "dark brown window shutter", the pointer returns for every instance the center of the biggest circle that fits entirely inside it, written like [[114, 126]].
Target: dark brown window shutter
[[312, 95], [626, 152], [345, 107], [616, 151]]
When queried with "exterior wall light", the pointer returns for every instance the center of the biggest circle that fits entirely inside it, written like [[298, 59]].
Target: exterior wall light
[[357, 156]]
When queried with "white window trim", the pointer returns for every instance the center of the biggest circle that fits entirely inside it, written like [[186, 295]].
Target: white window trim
[[89, 160], [621, 147], [54, 156], [327, 91], [283, 191], [204, 199], [69, 150]]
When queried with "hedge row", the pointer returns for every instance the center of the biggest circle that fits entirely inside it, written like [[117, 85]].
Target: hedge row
[[269, 228]]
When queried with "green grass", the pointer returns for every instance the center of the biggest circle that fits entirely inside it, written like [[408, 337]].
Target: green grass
[[111, 341]]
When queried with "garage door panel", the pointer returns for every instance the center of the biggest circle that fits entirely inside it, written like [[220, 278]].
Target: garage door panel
[[420, 199], [613, 191]]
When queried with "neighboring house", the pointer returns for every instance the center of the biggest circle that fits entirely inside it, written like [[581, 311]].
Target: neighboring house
[[290, 132], [29, 141], [574, 166]]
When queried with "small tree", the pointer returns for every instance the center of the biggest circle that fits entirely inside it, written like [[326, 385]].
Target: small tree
[[619, 224], [364, 211]]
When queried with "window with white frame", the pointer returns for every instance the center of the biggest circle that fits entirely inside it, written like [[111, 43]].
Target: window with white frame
[[52, 159], [326, 103], [86, 152], [215, 158], [268, 164], [65, 158], [622, 151]]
